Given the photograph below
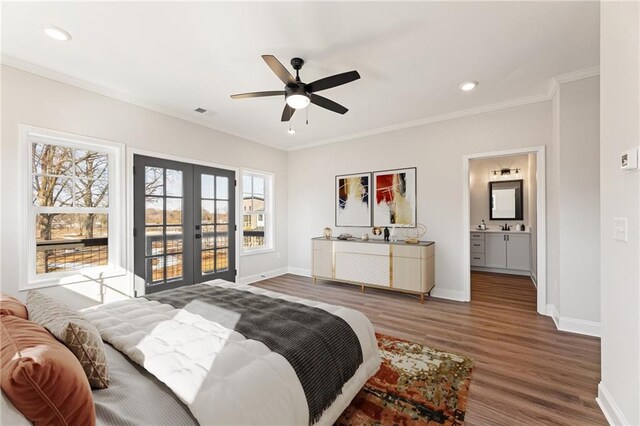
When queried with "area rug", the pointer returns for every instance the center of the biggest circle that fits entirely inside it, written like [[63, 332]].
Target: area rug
[[416, 385]]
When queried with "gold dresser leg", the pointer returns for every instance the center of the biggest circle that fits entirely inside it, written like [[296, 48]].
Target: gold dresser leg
[[362, 288], [315, 280], [422, 298]]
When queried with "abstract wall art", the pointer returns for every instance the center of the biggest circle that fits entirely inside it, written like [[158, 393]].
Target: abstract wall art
[[395, 197], [353, 200]]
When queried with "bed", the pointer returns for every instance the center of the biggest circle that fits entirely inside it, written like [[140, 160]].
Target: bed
[[222, 353]]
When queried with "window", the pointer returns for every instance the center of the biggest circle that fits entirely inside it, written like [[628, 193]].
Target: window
[[71, 221], [257, 213]]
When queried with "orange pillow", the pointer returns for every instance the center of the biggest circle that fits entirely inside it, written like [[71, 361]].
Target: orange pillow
[[41, 377], [12, 306]]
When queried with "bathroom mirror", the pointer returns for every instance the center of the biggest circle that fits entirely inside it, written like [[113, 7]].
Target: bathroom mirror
[[505, 200]]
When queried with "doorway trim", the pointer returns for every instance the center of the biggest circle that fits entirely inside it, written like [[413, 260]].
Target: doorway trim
[[138, 283], [541, 226]]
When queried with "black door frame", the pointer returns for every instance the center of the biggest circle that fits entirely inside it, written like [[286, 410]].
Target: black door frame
[[190, 169]]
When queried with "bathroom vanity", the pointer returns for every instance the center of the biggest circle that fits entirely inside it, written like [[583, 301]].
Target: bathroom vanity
[[499, 251]]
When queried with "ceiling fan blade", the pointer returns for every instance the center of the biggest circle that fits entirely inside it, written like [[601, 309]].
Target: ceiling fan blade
[[333, 81], [283, 74], [287, 113], [258, 94], [328, 104]]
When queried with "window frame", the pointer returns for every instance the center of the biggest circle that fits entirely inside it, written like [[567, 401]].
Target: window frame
[[29, 279], [269, 211]]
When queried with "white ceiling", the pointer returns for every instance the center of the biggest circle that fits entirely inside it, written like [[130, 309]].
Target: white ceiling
[[411, 56]]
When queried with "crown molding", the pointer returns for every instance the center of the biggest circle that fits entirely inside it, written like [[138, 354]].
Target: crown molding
[[556, 81], [554, 84], [32, 68], [433, 119]]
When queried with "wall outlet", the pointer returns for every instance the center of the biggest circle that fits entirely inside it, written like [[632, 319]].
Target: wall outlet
[[620, 229]]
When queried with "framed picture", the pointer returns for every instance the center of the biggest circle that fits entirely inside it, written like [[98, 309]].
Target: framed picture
[[394, 193], [353, 200]]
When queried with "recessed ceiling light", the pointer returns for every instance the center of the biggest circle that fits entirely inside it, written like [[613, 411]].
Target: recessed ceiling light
[[56, 33], [291, 131], [468, 85]]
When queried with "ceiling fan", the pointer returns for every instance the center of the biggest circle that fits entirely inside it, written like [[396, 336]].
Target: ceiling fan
[[297, 94]]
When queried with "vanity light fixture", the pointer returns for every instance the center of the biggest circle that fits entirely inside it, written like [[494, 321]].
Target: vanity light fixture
[[56, 33], [504, 172], [467, 86]]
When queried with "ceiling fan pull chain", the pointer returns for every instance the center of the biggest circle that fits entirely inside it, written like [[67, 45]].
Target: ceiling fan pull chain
[[307, 115]]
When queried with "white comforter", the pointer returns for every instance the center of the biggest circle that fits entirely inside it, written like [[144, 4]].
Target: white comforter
[[222, 377]]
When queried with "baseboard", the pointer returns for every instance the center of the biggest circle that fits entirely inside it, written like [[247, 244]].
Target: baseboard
[[263, 276], [609, 408], [553, 313], [299, 271], [443, 293], [501, 271], [534, 279], [574, 325]]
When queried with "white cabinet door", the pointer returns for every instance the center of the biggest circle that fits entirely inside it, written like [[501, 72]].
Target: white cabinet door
[[518, 252], [407, 273], [323, 263], [495, 251]]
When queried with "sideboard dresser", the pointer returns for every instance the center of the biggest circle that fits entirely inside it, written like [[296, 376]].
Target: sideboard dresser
[[398, 266]]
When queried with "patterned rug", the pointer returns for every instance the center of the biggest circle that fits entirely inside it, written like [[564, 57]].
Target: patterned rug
[[415, 386]]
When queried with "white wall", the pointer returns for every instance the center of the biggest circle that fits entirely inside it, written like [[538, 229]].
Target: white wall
[[579, 200], [33, 100], [436, 150], [573, 243], [479, 178], [619, 391]]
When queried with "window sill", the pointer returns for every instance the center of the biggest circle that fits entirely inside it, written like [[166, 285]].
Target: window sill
[[257, 251], [74, 277]]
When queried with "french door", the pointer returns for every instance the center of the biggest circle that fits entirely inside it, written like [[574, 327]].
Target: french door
[[184, 223]]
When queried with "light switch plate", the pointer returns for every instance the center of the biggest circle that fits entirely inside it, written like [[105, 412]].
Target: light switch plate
[[620, 229]]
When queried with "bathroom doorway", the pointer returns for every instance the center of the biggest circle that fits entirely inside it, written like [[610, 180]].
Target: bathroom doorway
[[504, 220]]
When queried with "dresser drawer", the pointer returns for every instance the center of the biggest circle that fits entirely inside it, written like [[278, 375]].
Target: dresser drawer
[[477, 236], [477, 259], [477, 246]]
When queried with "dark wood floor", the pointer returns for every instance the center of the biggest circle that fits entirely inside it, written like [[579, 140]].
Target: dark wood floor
[[525, 371]]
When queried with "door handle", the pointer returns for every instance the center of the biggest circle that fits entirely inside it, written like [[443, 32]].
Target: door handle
[[198, 236]]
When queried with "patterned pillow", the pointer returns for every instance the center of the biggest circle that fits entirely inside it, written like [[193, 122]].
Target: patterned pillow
[[72, 329]]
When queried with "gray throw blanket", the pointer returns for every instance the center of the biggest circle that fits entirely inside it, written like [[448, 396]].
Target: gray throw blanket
[[322, 348]]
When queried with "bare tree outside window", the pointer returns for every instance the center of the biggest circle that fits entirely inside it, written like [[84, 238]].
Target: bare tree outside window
[[70, 186]]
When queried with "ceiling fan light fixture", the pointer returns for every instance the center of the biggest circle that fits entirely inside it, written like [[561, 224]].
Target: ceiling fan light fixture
[[298, 101]]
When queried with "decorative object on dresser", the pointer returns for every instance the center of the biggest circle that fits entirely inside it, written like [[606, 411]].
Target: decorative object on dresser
[[413, 235], [398, 266], [353, 200], [395, 197], [501, 252], [327, 232], [376, 230]]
